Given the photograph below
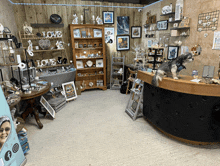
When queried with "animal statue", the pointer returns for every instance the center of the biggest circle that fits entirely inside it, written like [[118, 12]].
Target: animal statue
[[75, 20], [172, 67]]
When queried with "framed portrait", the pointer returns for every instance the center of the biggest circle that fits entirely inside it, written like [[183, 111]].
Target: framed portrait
[[97, 32], [79, 64], [136, 32], [99, 63], [162, 25], [123, 43], [69, 90], [172, 52], [109, 35], [108, 17], [76, 33], [47, 106], [122, 25]]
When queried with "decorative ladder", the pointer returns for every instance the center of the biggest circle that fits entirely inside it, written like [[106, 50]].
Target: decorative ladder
[[135, 103], [117, 76]]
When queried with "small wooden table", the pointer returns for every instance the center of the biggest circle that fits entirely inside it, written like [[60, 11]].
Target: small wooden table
[[33, 107]]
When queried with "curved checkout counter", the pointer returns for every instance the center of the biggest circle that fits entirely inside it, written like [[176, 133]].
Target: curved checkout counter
[[181, 109]]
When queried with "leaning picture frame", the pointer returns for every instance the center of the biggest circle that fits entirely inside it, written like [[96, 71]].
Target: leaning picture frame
[[76, 33], [97, 32], [108, 17], [172, 52], [123, 43], [162, 25], [136, 32], [69, 90], [47, 106]]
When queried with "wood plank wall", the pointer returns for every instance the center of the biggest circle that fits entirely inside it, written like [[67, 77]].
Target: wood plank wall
[[191, 9], [41, 14]]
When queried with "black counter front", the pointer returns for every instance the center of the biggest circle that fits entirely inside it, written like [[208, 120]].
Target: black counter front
[[191, 116]]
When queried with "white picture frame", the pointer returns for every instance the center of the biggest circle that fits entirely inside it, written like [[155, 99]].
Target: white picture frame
[[97, 32], [109, 35], [216, 41], [76, 33], [69, 90], [99, 63], [79, 64], [47, 106]]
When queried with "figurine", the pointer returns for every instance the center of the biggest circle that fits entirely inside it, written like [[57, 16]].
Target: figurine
[[99, 20], [30, 48], [75, 20]]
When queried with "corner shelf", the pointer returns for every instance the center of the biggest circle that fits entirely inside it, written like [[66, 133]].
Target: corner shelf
[[168, 14]]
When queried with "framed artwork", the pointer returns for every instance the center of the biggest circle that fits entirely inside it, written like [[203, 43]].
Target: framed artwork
[[216, 41], [76, 33], [123, 43], [47, 106], [79, 64], [69, 90], [162, 25], [83, 34], [136, 32], [109, 35], [122, 25], [108, 17], [99, 63], [172, 52], [97, 32]]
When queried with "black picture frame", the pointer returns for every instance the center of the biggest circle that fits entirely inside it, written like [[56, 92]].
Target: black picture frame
[[162, 25], [173, 52], [108, 17], [123, 43], [136, 32]]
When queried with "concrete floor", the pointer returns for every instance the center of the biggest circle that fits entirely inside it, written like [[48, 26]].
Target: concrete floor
[[94, 130]]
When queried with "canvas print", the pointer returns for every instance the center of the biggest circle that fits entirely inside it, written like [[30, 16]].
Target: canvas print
[[172, 52], [136, 32], [109, 35], [122, 25], [123, 43], [108, 17], [69, 90]]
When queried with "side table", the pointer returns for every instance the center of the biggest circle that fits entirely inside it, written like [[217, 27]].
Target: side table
[[32, 104]]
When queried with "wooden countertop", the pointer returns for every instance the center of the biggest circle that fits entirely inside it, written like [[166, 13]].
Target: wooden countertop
[[183, 85]]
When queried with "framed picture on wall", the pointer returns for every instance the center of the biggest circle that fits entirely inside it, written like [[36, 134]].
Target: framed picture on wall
[[123, 43], [69, 90], [172, 52], [162, 25], [108, 17], [136, 32], [109, 35], [122, 25]]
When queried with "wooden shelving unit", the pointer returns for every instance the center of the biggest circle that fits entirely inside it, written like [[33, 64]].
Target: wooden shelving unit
[[172, 13], [155, 56], [43, 54], [89, 77]]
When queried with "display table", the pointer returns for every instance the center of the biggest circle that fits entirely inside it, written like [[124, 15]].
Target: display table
[[182, 109], [33, 104]]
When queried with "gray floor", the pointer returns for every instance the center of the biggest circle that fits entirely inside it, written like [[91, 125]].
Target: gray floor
[[94, 130]]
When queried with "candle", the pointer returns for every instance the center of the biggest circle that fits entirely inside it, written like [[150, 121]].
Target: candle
[[81, 17], [93, 17]]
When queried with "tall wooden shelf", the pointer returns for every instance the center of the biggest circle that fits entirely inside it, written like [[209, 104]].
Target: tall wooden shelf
[[89, 77]]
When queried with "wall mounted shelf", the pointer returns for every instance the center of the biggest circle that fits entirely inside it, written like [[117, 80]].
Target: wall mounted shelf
[[179, 28], [47, 25], [167, 14], [176, 21]]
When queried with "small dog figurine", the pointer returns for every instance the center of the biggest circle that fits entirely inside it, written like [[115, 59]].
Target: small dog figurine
[[173, 66]]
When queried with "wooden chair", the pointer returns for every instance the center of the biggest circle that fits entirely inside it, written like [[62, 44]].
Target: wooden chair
[[131, 78]]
